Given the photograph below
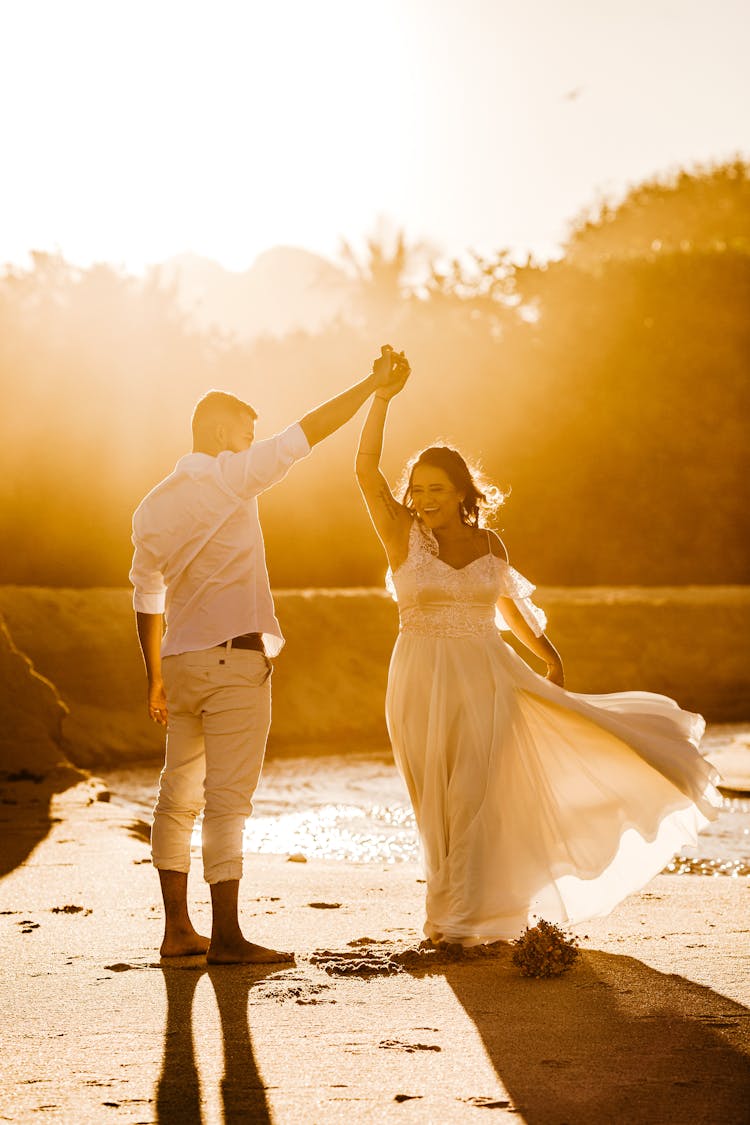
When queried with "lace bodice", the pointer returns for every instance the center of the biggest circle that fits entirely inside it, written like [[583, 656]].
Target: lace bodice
[[436, 599]]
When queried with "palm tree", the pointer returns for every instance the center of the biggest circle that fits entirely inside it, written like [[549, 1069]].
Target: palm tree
[[387, 272]]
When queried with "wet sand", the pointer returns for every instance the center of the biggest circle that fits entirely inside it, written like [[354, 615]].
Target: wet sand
[[651, 1025]]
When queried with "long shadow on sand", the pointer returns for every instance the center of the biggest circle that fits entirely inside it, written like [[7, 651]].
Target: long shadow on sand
[[612, 1041], [25, 817], [243, 1097]]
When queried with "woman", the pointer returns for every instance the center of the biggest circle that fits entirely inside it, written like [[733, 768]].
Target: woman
[[531, 802]]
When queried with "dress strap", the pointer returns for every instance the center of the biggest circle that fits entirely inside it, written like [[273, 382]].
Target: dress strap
[[489, 541]]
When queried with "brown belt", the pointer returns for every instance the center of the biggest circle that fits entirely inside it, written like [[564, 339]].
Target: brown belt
[[247, 640]]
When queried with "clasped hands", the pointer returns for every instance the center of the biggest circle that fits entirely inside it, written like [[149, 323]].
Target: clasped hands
[[391, 370]]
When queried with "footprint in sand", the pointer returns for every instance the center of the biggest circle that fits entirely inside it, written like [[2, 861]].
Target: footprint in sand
[[363, 963], [325, 905], [25, 775], [397, 1045], [487, 1103], [298, 989]]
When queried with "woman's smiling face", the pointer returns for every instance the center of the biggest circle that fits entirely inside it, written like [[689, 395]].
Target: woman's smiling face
[[433, 497]]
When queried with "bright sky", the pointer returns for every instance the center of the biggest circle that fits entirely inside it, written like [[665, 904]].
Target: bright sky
[[133, 130]]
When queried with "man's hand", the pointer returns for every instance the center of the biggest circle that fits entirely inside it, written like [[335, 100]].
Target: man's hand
[[382, 367], [157, 703]]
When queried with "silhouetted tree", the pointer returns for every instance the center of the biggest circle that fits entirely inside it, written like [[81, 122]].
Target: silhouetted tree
[[609, 389], [386, 271], [703, 209]]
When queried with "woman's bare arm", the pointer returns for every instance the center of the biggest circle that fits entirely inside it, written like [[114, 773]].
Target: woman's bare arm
[[391, 520], [540, 646]]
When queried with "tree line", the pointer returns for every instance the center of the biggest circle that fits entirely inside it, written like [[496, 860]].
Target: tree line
[[607, 390]]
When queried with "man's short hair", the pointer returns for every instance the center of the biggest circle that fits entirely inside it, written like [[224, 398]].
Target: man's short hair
[[214, 407]]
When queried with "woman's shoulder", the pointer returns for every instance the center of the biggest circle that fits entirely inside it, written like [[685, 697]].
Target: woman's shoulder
[[496, 545]]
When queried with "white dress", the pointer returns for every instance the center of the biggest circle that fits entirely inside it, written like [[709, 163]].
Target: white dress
[[531, 801]]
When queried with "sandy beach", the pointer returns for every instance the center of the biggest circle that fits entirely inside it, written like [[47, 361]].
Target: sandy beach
[[651, 1025], [386, 365]]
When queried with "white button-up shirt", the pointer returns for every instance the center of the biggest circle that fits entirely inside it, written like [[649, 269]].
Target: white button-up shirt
[[199, 554]]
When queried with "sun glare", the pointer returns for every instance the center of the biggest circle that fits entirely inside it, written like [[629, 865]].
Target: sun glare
[[141, 130], [162, 128]]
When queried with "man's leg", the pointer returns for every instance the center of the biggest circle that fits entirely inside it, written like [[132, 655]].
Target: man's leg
[[229, 946], [181, 939], [236, 720], [179, 801]]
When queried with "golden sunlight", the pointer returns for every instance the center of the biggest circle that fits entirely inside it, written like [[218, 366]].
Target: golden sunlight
[[148, 129], [443, 644]]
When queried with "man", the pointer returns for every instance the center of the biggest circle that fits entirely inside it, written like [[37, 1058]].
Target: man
[[199, 563]]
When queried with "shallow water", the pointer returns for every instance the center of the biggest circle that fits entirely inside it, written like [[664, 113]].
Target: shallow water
[[355, 807]]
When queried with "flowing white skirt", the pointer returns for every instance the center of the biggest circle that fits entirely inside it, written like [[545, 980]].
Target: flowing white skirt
[[533, 802]]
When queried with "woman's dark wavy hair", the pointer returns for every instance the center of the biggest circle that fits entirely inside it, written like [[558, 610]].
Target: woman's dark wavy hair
[[480, 498]]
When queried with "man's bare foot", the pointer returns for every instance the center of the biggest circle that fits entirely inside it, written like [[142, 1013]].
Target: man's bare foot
[[183, 943], [243, 952]]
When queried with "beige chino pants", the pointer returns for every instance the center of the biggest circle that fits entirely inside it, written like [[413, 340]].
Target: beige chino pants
[[219, 702]]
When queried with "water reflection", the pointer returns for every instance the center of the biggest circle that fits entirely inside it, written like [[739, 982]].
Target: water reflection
[[361, 833], [354, 807]]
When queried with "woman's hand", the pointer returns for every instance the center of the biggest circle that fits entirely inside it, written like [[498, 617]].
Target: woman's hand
[[400, 372], [390, 371], [555, 673]]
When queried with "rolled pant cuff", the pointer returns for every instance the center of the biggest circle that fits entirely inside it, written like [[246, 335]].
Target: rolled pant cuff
[[171, 865], [223, 872]]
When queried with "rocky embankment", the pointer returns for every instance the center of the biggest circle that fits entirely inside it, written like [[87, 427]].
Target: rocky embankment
[[33, 762], [329, 681], [31, 731]]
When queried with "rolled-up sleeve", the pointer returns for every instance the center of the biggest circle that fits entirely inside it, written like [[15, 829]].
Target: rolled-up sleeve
[[265, 463], [149, 587]]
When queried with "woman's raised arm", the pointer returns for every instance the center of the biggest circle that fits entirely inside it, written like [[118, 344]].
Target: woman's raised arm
[[390, 519]]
